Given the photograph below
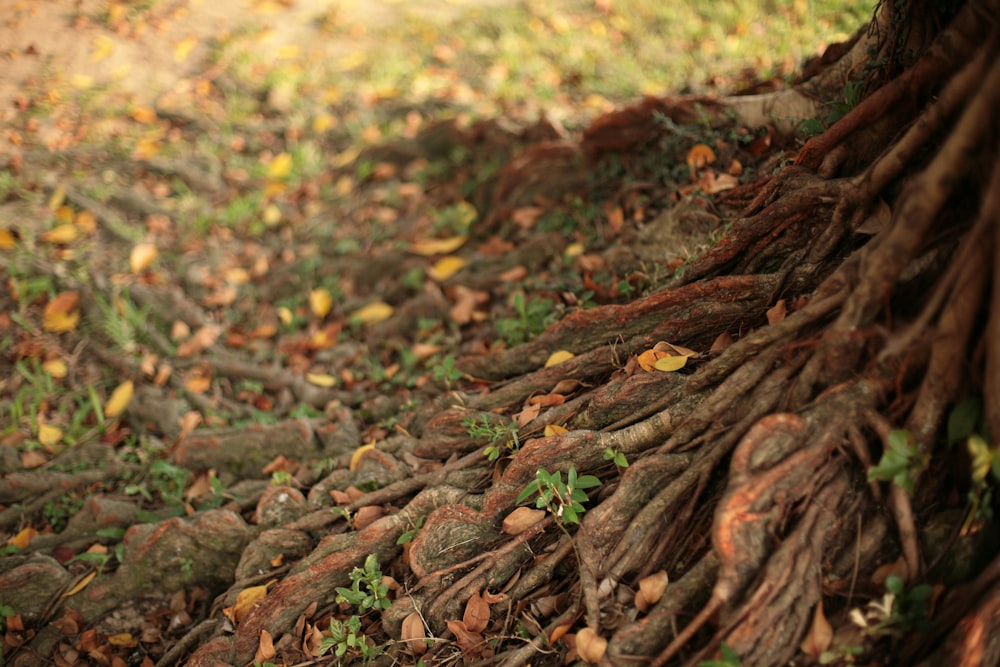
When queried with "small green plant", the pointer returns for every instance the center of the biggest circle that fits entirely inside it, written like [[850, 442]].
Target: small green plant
[[281, 478], [346, 636], [563, 500], [532, 316], [367, 593], [500, 436], [902, 461], [446, 371], [966, 424], [375, 595], [841, 655], [617, 457], [410, 534], [728, 655]]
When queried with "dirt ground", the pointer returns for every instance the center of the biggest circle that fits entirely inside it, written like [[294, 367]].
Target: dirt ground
[[87, 43]]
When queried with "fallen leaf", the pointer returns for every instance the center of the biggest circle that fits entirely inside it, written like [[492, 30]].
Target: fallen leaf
[[265, 648], [671, 363], [547, 400], [526, 216], [23, 537], [820, 635], [358, 453], [699, 156], [555, 429], [203, 339], [413, 633], [520, 519], [427, 247], [80, 585], [49, 435], [57, 368], [280, 166], [245, 601], [321, 379], [722, 341], [183, 49], [33, 458], [650, 591], [777, 312], [198, 384], [123, 639], [61, 313], [574, 249], [558, 357], [61, 234], [373, 312], [566, 386], [470, 643], [7, 239], [590, 646], [119, 399], [367, 515], [477, 614], [647, 360], [558, 632], [142, 257], [446, 267]]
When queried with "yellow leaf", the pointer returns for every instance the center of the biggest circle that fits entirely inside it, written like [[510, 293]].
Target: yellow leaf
[[83, 583], [320, 302], [49, 435], [668, 364], [82, 81], [119, 399], [245, 601], [288, 51], [56, 368], [144, 115], [103, 45], [280, 166], [86, 222], [574, 249], [285, 315], [555, 429], [700, 155], [446, 267], [558, 357], [23, 538], [358, 453], [323, 122], [142, 257], [321, 379], [183, 49], [427, 247], [61, 313], [373, 312], [7, 239], [61, 234], [57, 198], [123, 639], [198, 384], [271, 215], [982, 457]]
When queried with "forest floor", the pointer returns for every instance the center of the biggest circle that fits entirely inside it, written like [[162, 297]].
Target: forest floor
[[260, 259]]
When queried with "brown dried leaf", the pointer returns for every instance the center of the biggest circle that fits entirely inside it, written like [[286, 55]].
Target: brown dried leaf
[[820, 634], [265, 648], [590, 645], [650, 591], [521, 519], [477, 614], [722, 341], [547, 400], [566, 386], [204, 338], [470, 643], [413, 633], [777, 312], [365, 516]]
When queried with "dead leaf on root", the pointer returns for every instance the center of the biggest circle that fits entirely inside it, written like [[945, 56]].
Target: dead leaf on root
[[520, 519], [590, 646], [477, 613], [470, 643], [820, 635], [413, 633]]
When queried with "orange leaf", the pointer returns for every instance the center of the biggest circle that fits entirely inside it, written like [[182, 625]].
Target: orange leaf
[[265, 648], [555, 429], [22, 539], [699, 156], [204, 338], [477, 614], [61, 313], [446, 267], [61, 234], [142, 257], [80, 585], [119, 399]]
